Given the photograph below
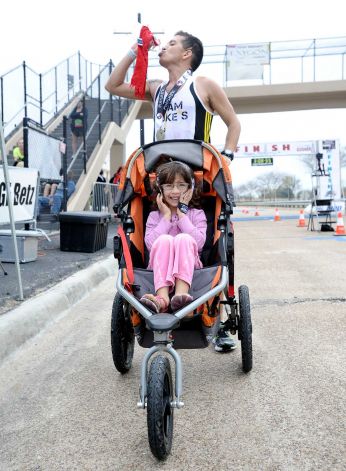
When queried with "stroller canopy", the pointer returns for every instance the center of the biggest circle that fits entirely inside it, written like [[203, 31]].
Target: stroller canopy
[[204, 159]]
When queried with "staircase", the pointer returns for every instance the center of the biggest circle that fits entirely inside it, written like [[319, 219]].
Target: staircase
[[100, 113]]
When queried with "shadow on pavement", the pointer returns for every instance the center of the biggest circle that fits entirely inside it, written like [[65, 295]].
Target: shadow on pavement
[[51, 267]]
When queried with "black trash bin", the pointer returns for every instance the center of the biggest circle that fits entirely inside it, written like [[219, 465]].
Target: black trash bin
[[84, 231]]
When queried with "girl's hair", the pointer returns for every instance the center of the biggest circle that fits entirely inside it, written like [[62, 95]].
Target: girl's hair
[[167, 172]]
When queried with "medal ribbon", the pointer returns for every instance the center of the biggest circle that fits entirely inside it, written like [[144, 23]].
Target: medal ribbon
[[163, 106]]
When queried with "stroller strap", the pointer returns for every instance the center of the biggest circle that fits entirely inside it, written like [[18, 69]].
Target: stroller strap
[[127, 256]]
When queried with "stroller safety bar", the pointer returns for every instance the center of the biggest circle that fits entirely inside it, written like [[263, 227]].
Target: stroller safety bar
[[146, 313]]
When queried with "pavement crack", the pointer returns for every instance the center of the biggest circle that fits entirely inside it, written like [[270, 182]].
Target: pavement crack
[[285, 302]]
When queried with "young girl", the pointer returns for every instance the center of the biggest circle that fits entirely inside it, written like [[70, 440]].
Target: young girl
[[175, 234]]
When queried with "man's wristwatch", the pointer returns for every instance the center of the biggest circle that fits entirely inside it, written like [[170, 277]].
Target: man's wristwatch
[[228, 153]]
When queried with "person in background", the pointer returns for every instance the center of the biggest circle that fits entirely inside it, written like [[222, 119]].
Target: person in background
[[18, 154], [116, 177], [55, 200], [101, 178], [79, 124]]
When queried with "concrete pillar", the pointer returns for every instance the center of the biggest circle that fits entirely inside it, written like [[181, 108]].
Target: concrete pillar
[[117, 157]]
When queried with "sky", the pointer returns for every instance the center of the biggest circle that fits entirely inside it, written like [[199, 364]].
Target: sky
[[44, 33]]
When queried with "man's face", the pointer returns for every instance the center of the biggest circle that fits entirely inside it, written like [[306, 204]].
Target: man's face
[[173, 52]]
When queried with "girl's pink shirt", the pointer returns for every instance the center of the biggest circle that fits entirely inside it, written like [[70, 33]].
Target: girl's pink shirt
[[193, 223]]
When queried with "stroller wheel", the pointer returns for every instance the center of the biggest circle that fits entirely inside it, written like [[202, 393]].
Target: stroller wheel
[[122, 335], [245, 328], [159, 409]]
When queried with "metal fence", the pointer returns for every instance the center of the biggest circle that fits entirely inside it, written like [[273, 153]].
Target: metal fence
[[26, 93], [306, 60], [103, 197]]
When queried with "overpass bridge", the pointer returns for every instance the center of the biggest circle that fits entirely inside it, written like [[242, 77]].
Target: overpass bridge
[[279, 97]]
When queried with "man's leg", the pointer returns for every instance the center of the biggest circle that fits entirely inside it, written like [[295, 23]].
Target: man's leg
[[56, 206], [223, 341]]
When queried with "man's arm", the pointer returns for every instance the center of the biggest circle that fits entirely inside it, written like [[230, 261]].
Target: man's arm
[[116, 84], [216, 99]]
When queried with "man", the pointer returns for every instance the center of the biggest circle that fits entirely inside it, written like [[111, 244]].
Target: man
[[55, 200], [195, 100], [183, 107]]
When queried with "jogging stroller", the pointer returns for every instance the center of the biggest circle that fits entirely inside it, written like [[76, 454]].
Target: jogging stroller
[[165, 332]]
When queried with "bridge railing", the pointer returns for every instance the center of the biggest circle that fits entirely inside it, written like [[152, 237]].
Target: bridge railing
[[295, 61]]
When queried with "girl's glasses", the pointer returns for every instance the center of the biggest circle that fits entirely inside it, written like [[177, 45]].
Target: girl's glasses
[[170, 186]]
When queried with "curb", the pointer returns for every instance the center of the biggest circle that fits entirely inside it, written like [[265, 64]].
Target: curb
[[27, 320]]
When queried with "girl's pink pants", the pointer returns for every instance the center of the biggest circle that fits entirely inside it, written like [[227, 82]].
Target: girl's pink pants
[[173, 257]]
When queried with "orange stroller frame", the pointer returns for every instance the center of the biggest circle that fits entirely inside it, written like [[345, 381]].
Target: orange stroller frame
[[165, 332]]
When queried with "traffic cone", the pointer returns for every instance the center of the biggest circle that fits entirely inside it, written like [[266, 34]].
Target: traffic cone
[[301, 222], [277, 215], [257, 212], [340, 228]]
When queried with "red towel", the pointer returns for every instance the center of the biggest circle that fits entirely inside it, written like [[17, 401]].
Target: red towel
[[140, 73]]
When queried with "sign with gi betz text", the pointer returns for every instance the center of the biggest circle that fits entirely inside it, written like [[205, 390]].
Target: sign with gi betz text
[[23, 190]]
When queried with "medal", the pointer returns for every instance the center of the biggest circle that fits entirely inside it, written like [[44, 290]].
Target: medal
[[163, 105], [160, 133]]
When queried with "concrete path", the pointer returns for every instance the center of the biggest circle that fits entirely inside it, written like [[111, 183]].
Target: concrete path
[[63, 405]]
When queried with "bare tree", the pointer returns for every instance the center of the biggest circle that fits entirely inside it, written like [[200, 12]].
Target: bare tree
[[289, 187], [309, 161], [269, 183]]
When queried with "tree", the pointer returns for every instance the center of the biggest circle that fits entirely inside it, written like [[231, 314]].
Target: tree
[[268, 184], [289, 187], [309, 161]]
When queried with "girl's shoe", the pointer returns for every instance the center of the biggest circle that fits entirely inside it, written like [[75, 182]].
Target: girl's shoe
[[156, 303], [178, 301]]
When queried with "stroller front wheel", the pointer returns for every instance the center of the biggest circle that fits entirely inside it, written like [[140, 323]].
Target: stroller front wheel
[[159, 407]]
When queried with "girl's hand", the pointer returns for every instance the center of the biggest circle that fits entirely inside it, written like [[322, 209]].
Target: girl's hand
[[186, 197], [163, 208]]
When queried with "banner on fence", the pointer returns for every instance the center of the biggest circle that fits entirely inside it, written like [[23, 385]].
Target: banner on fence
[[44, 154], [23, 186], [245, 61]]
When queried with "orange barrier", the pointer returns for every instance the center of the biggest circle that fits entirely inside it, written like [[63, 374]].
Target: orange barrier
[[277, 215], [340, 227], [301, 222]]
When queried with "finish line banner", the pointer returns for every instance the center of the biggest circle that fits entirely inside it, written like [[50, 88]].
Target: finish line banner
[[23, 189], [276, 148], [329, 176]]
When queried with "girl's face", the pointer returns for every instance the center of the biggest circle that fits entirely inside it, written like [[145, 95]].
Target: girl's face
[[173, 191]]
